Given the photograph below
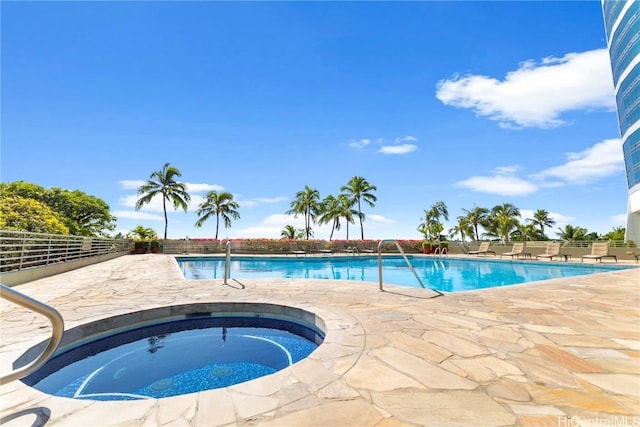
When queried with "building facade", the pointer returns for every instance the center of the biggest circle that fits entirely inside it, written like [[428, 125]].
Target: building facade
[[622, 27]]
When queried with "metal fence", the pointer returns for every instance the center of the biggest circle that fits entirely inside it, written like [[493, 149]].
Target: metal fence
[[20, 250]]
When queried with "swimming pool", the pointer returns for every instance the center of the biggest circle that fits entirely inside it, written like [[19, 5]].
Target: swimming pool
[[201, 351], [443, 274]]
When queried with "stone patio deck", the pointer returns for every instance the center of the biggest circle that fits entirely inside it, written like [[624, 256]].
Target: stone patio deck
[[562, 352]]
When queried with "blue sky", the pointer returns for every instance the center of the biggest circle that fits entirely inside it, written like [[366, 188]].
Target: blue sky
[[470, 103]]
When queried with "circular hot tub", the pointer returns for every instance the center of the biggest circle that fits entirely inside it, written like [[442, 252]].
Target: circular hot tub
[[177, 350]]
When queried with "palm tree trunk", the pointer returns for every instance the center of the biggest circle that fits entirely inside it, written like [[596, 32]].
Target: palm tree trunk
[[217, 224], [166, 219], [360, 217]]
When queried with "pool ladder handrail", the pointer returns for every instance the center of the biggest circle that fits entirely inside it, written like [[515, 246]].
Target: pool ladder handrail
[[57, 326], [382, 242], [227, 261]]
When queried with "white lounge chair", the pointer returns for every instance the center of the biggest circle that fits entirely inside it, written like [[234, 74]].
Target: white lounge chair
[[516, 250], [482, 250], [599, 250], [553, 250]]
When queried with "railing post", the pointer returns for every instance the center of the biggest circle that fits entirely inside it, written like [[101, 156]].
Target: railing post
[[227, 262]]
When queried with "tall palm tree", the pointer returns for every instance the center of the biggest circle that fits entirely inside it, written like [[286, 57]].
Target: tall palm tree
[[359, 190], [476, 216], [330, 213], [504, 220], [307, 203], [346, 211], [218, 204], [163, 182], [541, 219]]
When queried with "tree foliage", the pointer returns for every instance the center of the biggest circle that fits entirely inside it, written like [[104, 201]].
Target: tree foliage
[[24, 214], [218, 205], [81, 214], [163, 183], [306, 203], [359, 190]]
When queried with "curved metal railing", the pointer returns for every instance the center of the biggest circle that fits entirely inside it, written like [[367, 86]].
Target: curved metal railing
[[57, 325], [413, 270]]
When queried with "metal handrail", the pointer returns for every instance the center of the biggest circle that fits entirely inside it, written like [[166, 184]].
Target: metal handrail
[[382, 242], [57, 325], [227, 262]]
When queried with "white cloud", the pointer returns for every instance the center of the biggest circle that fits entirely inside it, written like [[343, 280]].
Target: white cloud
[[200, 188], [131, 184], [405, 138], [619, 220], [599, 161], [536, 95], [503, 183], [137, 215], [603, 159], [397, 149], [247, 203], [380, 219], [360, 143], [271, 199]]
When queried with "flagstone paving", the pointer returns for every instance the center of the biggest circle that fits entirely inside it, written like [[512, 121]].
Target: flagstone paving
[[561, 352]]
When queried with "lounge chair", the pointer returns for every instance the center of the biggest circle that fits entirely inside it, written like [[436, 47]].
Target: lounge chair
[[599, 250], [553, 250], [366, 250], [294, 250], [482, 250], [516, 250], [322, 249]]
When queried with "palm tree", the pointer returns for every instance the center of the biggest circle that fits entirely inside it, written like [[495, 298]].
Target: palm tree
[[218, 204], [431, 227], [463, 227], [358, 189], [524, 232], [330, 212], [571, 233], [306, 203], [163, 182], [616, 233], [504, 219], [290, 232], [542, 219], [476, 216], [346, 211]]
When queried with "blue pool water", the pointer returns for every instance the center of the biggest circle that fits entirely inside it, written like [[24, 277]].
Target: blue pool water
[[176, 358], [444, 274]]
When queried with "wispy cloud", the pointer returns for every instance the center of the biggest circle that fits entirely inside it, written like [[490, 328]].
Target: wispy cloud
[[599, 161], [504, 184], [530, 96], [398, 145], [603, 159], [360, 143], [380, 219], [271, 199], [137, 215], [398, 149], [131, 184], [200, 188]]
